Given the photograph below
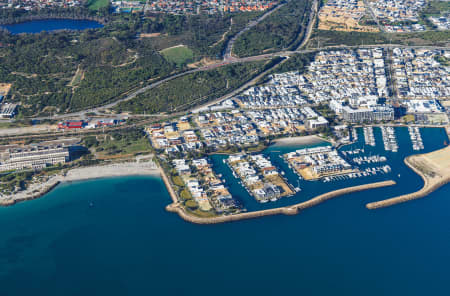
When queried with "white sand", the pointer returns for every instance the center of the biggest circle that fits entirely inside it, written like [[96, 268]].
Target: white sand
[[84, 173], [305, 140]]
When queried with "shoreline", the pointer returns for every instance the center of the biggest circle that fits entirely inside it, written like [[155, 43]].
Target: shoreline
[[430, 183], [30, 18], [288, 210], [35, 191]]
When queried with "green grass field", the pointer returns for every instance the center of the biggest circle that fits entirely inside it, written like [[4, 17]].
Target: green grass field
[[179, 55], [97, 4], [436, 8]]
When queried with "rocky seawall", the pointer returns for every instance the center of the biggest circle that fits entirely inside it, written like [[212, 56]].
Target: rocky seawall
[[176, 207], [430, 185]]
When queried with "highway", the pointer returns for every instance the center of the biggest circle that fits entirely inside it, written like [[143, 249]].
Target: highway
[[228, 55], [312, 20], [227, 60], [133, 94]]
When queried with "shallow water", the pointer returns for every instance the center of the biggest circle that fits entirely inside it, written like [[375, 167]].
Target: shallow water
[[113, 237]]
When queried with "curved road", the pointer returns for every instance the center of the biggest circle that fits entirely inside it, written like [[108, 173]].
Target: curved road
[[229, 59], [228, 55], [311, 22]]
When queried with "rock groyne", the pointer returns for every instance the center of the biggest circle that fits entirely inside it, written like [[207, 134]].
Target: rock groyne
[[430, 185], [176, 207]]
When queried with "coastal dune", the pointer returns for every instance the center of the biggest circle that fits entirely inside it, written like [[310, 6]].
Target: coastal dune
[[434, 168]]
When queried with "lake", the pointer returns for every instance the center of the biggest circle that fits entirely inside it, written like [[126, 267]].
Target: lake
[[113, 237], [37, 26]]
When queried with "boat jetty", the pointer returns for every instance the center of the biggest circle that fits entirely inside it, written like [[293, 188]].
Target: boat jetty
[[360, 173], [389, 138], [353, 151], [369, 159], [354, 135], [369, 138], [416, 138]]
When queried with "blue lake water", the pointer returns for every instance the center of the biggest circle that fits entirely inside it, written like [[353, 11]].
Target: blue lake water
[[38, 26], [127, 244]]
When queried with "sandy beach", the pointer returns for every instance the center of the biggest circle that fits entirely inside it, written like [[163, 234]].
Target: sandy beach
[[292, 141], [84, 173], [113, 170], [434, 168]]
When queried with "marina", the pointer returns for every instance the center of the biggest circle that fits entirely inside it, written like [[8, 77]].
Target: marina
[[389, 138], [317, 163], [260, 177], [416, 138], [369, 138], [354, 134], [361, 173], [368, 159]]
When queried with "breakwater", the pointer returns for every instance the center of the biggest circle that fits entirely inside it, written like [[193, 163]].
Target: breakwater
[[176, 207], [430, 185], [169, 187]]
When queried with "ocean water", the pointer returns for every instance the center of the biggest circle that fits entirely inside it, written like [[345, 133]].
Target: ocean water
[[37, 26], [113, 237]]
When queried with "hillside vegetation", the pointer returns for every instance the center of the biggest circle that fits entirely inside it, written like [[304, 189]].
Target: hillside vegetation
[[281, 30], [193, 89], [63, 72]]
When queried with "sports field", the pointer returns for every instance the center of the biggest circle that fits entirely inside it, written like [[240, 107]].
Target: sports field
[[179, 54]]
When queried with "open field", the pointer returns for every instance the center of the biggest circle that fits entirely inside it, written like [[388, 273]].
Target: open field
[[97, 4], [179, 54], [336, 38], [436, 8]]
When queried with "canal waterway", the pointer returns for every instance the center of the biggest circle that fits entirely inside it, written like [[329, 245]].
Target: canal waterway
[[37, 26], [113, 237]]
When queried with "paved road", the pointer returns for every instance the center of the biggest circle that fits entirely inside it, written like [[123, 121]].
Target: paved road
[[372, 14], [228, 55], [133, 94], [311, 22]]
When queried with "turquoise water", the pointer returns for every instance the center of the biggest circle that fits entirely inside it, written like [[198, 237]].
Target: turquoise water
[[38, 26], [125, 243]]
